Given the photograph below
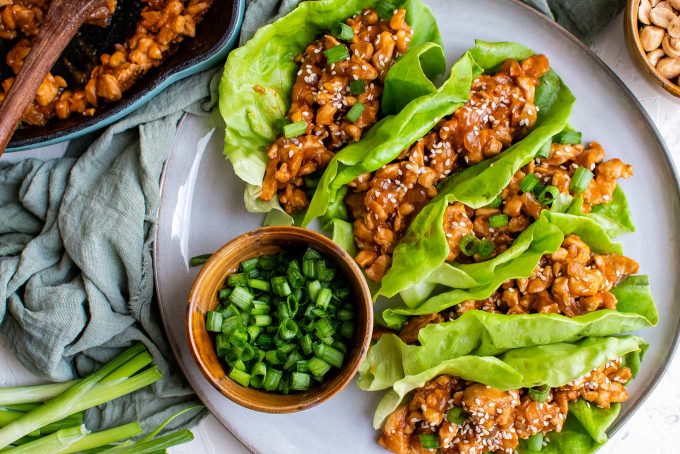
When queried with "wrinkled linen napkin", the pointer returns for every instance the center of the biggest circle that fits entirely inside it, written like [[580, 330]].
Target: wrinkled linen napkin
[[76, 275]]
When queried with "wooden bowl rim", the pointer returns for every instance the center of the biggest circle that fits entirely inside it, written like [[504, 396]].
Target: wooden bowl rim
[[301, 401], [631, 26]]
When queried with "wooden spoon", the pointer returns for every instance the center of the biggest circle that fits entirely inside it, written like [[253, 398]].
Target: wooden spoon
[[63, 21]]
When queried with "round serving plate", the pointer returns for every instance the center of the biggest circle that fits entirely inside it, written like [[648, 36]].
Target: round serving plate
[[202, 208]]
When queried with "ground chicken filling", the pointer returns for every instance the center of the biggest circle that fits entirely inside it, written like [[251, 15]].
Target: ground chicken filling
[[163, 24], [322, 97], [500, 110], [493, 420], [523, 208], [571, 281]]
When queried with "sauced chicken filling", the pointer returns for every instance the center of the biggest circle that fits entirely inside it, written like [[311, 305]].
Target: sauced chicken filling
[[571, 281], [517, 209], [322, 97], [500, 110], [163, 24], [492, 420]]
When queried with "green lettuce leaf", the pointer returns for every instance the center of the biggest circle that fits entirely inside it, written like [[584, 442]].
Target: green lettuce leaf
[[421, 254], [614, 216], [553, 365], [490, 334], [412, 74], [547, 234], [258, 77], [390, 136], [573, 439]]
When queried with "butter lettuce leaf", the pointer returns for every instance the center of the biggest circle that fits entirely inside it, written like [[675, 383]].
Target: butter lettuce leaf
[[553, 365], [491, 334], [258, 78]]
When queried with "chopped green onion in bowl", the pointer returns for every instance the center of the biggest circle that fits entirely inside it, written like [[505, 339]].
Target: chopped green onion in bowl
[[284, 322]]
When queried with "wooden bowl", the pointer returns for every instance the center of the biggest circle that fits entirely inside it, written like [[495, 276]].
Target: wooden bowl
[[203, 297], [632, 31]]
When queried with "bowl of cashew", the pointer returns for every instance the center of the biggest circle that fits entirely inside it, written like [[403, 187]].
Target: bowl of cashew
[[653, 34]]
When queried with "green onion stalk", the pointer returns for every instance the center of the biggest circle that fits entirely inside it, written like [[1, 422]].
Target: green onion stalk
[[115, 379]]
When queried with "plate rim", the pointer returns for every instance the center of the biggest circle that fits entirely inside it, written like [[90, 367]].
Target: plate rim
[[649, 123]]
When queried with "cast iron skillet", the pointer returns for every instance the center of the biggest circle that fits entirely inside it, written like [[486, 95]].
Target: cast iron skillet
[[215, 36]]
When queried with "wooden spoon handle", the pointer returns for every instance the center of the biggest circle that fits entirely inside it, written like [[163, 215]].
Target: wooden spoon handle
[[63, 20]]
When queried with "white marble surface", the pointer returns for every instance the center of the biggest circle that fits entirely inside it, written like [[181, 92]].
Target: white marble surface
[[655, 428]]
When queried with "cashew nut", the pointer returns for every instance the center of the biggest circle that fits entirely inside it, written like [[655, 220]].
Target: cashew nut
[[643, 12], [662, 16], [655, 2], [665, 4], [655, 55], [675, 4], [669, 67], [651, 37], [674, 28], [669, 49]]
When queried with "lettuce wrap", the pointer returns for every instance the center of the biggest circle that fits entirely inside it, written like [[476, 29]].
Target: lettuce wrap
[[635, 310], [389, 138], [258, 78], [553, 365], [482, 333]]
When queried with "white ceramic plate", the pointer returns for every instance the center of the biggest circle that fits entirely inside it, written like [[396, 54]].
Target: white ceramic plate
[[202, 208]]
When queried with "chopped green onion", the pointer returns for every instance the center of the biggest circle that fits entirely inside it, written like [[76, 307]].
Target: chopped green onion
[[249, 265], [272, 379], [535, 442], [294, 129], [324, 273], [313, 288], [342, 31], [332, 356], [347, 330], [539, 393], [302, 366], [497, 202], [355, 112], [545, 150], [568, 137], [306, 344], [468, 245], [429, 441], [223, 294], [580, 180], [485, 248], [548, 195], [345, 314], [213, 321], [498, 220], [323, 327], [312, 181], [199, 259], [295, 278], [292, 360], [288, 329], [538, 189], [385, 10], [324, 297], [336, 54], [258, 284], [318, 367], [280, 286], [456, 415], [241, 297], [356, 87], [299, 381], [528, 182], [260, 308], [253, 332], [237, 280], [275, 357]]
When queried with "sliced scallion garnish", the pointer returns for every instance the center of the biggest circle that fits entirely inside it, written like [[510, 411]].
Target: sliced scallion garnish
[[580, 181], [336, 54]]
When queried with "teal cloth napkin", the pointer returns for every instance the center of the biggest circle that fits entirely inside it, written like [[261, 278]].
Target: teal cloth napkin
[[76, 276]]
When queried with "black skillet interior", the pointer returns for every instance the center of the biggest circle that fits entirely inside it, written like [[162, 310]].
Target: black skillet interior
[[83, 53]]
